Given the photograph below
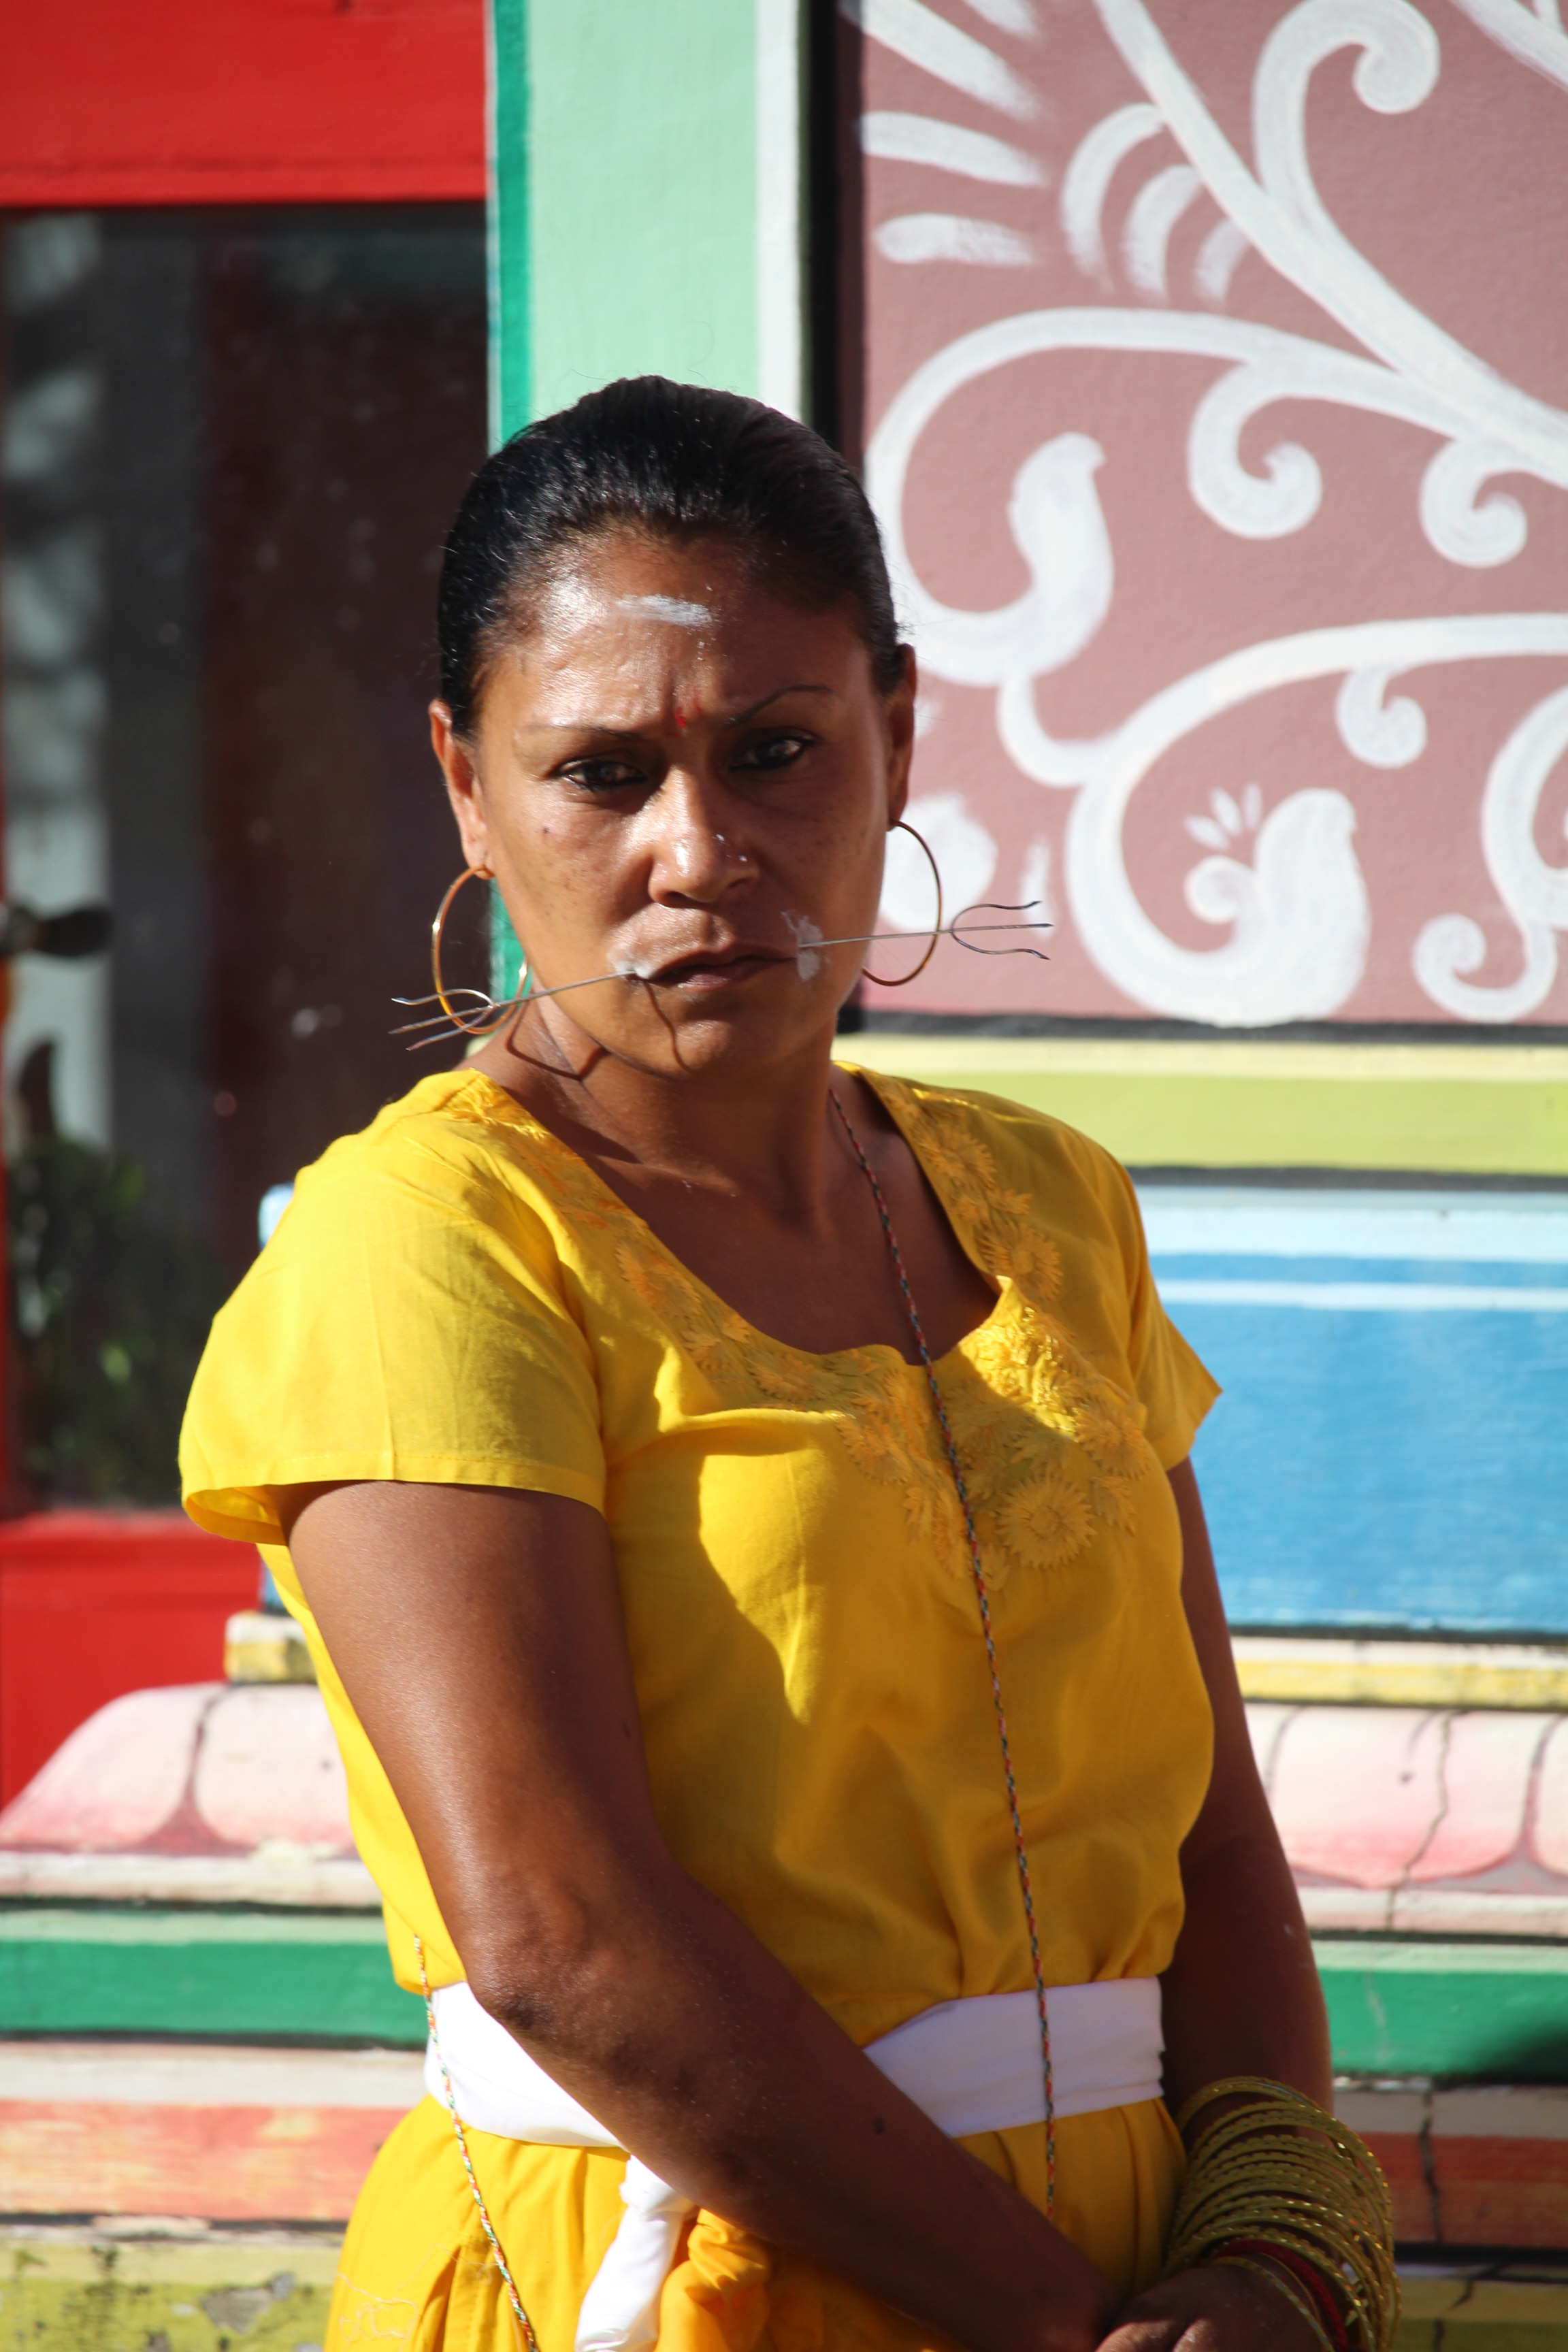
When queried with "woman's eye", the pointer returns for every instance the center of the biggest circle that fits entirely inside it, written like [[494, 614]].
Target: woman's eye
[[603, 775], [773, 751]]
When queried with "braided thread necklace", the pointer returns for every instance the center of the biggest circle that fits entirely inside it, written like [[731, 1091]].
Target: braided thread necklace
[[982, 1598], [524, 2321]]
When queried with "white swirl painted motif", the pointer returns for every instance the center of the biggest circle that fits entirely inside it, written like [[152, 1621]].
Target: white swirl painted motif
[[1298, 913]]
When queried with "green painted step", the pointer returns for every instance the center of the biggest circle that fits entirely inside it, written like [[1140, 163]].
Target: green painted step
[[108, 1968], [1497, 2012]]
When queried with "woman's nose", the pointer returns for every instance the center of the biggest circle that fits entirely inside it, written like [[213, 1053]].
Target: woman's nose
[[699, 859]]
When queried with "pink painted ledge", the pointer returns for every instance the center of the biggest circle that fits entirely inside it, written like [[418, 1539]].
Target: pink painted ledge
[[203, 1792], [1424, 1821]]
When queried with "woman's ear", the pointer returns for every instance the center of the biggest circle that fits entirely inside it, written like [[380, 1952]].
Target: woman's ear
[[901, 710], [464, 790]]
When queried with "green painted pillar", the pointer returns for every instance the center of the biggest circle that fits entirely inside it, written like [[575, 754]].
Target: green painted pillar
[[647, 170]]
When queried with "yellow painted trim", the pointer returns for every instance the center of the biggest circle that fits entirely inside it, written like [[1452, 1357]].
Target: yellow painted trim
[[1301, 1672], [1466, 2300], [188, 2254], [258, 1646], [1454, 1109]]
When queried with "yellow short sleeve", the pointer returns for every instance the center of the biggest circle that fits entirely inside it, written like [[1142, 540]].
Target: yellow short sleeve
[[410, 1319], [1174, 1384]]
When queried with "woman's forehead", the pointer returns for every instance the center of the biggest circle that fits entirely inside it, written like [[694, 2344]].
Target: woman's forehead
[[643, 617]]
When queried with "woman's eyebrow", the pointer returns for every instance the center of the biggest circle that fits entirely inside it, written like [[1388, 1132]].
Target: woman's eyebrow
[[777, 696], [636, 734]]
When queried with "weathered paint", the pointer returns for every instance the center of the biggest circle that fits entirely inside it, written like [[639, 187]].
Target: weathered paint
[[103, 2290], [231, 2164], [232, 2134], [92, 2289], [1470, 2167]]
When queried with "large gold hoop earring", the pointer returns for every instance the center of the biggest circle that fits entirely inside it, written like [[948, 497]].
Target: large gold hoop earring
[[494, 1014], [936, 929]]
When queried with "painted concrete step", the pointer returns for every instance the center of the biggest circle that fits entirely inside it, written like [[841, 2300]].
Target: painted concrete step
[[1427, 1820], [123, 2283], [1456, 2012], [1477, 2165], [228, 2135], [1487, 2011], [303, 1976], [115, 2284], [286, 2135], [199, 1791], [1432, 1819], [1388, 1452]]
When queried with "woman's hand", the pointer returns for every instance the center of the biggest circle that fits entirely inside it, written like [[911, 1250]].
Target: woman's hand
[[1219, 2310]]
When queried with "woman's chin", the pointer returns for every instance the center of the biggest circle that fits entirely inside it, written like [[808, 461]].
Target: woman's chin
[[695, 1032]]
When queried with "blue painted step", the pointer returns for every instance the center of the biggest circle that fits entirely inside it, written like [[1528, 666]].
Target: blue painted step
[[1392, 1448]]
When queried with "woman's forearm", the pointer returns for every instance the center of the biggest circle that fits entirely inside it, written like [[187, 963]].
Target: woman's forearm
[[1242, 1995], [683, 2035]]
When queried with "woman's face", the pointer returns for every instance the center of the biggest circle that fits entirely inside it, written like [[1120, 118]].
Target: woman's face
[[683, 779]]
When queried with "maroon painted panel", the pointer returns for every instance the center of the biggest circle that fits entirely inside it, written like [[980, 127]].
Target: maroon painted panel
[[1215, 378]]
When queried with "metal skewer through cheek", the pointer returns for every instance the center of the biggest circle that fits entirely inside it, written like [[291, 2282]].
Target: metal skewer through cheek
[[490, 1016]]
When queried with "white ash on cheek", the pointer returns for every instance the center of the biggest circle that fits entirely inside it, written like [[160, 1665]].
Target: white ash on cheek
[[806, 936]]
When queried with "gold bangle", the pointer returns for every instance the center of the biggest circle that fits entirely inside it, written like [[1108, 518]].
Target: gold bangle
[[1287, 2286], [1280, 2170]]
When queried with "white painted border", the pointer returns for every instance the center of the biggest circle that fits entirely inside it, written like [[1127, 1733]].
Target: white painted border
[[1233, 1220], [1368, 1297], [780, 241]]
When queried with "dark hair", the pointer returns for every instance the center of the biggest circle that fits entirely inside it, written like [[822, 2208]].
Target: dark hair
[[675, 460]]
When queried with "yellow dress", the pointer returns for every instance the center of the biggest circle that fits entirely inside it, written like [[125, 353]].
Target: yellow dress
[[454, 1297]]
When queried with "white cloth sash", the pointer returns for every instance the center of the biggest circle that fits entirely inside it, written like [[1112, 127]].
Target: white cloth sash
[[973, 2065]]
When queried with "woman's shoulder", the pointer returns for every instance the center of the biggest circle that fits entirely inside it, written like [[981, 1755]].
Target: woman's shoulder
[[1033, 1194], [414, 1317], [989, 1138], [456, 1147]]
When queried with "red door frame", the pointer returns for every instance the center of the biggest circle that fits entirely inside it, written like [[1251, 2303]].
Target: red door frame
[[242, 101]]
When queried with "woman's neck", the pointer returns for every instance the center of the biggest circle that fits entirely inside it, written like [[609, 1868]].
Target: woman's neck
[[757, 1135]]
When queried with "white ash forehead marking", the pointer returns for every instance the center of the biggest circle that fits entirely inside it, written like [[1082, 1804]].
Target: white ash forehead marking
[[681, 610]]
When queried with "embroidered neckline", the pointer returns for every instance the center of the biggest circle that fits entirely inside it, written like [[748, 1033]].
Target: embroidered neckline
[[597, 1204], [1053, 1448]]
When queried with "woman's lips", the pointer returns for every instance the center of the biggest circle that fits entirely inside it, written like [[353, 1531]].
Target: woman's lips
[[722, 968], [705, 975]]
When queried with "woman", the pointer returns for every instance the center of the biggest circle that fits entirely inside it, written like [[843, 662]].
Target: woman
[[714, 1706]]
